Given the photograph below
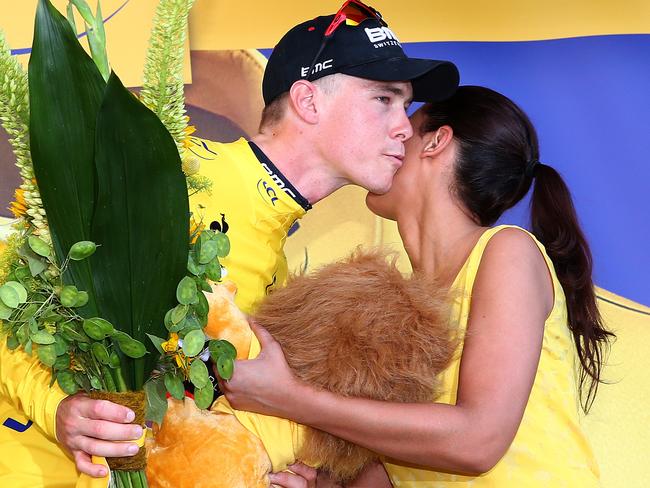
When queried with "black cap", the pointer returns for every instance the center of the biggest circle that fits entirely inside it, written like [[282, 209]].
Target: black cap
[[368, 50]]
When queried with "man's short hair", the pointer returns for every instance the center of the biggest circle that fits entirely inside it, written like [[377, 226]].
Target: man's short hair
[[274, 111]]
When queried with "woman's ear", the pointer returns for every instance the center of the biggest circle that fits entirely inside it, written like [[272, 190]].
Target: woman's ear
[[437, 141], [302, 95]]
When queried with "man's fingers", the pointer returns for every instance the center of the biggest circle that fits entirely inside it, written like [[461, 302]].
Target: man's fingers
[[98, 447], [105, 410], [287, 480], [108, 431], [307, 472], [85, 465]]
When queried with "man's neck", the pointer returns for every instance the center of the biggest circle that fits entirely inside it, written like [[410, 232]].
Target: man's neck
[[300, 164]]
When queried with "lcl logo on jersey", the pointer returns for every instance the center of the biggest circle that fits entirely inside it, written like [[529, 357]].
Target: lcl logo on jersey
[[382, 37], [267, 192]]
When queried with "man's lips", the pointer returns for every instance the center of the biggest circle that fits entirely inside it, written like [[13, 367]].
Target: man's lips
[[398, 157]]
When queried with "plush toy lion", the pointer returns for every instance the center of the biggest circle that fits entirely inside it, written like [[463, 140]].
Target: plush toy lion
[[356, 328]]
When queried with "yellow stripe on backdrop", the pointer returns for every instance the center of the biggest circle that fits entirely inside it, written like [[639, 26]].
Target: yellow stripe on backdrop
[[222, 24], [127, 32]]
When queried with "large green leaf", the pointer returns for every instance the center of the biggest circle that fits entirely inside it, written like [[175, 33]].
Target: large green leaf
[[65, 92], [141, 222]]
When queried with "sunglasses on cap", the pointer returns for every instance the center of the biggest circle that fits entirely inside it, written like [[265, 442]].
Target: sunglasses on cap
[[352, 10]]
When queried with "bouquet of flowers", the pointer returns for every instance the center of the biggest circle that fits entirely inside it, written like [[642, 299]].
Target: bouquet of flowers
[[104, 279]]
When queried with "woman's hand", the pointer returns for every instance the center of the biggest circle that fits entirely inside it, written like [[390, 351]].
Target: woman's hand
[[264, 384]]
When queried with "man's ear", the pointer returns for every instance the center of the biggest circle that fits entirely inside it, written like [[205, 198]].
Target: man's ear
[[437, 141], [302, 95]]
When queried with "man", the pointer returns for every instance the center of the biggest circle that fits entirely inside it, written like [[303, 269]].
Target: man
[[336, 90]]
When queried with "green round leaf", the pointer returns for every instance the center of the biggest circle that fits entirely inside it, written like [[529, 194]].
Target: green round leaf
[[42, 337], [23, 274], [213, 270], [98, 328], [100, 352], [130, 347], [193, 266], [199, 375], [81, 250], [225, 367], [69, 332], [5, 312], [95, 383], [12, 342], [22, 334], [66, 381], [68, 296], [20, 290], [62, 362], [190, 323], [203, 396], [204, 285], [220, 348], [29, 312], [178, 313], [9, 296], [82, 380], [202, 308], [223, 244], [47, 355], [60, 345], [94, 329], [208, 251], [81, 299], [193, 343], [39, 246], [168, 319], [114, 361], [174, 386], [84, 346], [186, 291]]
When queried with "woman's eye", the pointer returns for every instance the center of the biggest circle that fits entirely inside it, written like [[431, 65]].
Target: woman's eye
[[384, 99]]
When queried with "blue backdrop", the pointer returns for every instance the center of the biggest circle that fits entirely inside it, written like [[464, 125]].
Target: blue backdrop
[[589, 99]]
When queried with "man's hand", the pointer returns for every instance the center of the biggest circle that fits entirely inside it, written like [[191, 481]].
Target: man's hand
[[85, 427], [299, 476]]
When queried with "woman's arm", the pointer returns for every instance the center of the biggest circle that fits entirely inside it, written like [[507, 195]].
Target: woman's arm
[[512, 297]]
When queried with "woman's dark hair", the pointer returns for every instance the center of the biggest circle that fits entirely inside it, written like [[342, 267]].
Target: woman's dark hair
[[497, 161]]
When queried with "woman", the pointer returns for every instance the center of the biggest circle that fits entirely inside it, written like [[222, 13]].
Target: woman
[[525, 301]]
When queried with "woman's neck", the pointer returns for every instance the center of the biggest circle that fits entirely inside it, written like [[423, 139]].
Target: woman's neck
[[438, 236]]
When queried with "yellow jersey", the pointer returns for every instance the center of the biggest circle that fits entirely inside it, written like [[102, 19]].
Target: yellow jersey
[[550, 448], [255, 205]]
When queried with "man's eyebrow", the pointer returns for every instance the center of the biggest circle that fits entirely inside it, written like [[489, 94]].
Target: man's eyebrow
[[396, 90]]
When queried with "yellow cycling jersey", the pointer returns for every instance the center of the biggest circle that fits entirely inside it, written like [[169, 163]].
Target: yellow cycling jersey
[[256, 207]]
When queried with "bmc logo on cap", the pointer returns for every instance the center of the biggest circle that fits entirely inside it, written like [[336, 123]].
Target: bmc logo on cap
[[378, 34], [328, 63]]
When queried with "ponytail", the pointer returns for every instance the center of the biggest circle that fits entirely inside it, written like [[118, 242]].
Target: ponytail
[[555, 224]]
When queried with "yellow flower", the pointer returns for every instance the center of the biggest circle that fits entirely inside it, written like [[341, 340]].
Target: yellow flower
[[189, 130], [75, 365], [19, 206], [195, 229], [171, 345]]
